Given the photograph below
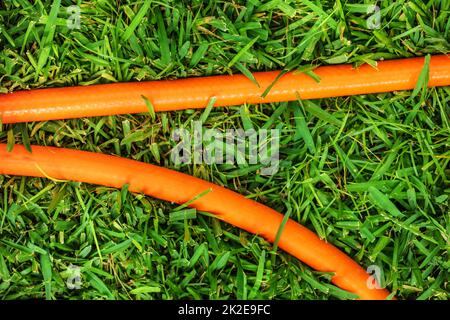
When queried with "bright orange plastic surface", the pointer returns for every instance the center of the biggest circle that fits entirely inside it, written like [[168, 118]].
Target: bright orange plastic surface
[[165, 95], [161, 183]]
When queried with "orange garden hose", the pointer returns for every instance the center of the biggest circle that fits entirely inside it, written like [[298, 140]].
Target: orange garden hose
[[121, 98], [162, 183]]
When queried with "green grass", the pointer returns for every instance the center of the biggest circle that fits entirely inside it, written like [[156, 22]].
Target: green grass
[[368, 173]]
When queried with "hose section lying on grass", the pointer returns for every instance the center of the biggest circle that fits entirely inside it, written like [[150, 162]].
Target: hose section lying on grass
[[165, 95], [162, 183]]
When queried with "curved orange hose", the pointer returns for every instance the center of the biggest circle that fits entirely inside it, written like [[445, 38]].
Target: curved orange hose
[[165, 95], [165, 184]]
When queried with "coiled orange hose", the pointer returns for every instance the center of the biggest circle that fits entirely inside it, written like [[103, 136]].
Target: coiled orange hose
[[122, 98], [165, 184]]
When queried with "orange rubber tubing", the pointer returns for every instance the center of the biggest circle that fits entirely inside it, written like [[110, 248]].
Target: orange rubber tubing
[[165, 184], [167, 95]]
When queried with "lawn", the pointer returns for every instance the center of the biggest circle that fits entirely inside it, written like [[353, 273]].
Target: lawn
[[370, 173]]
